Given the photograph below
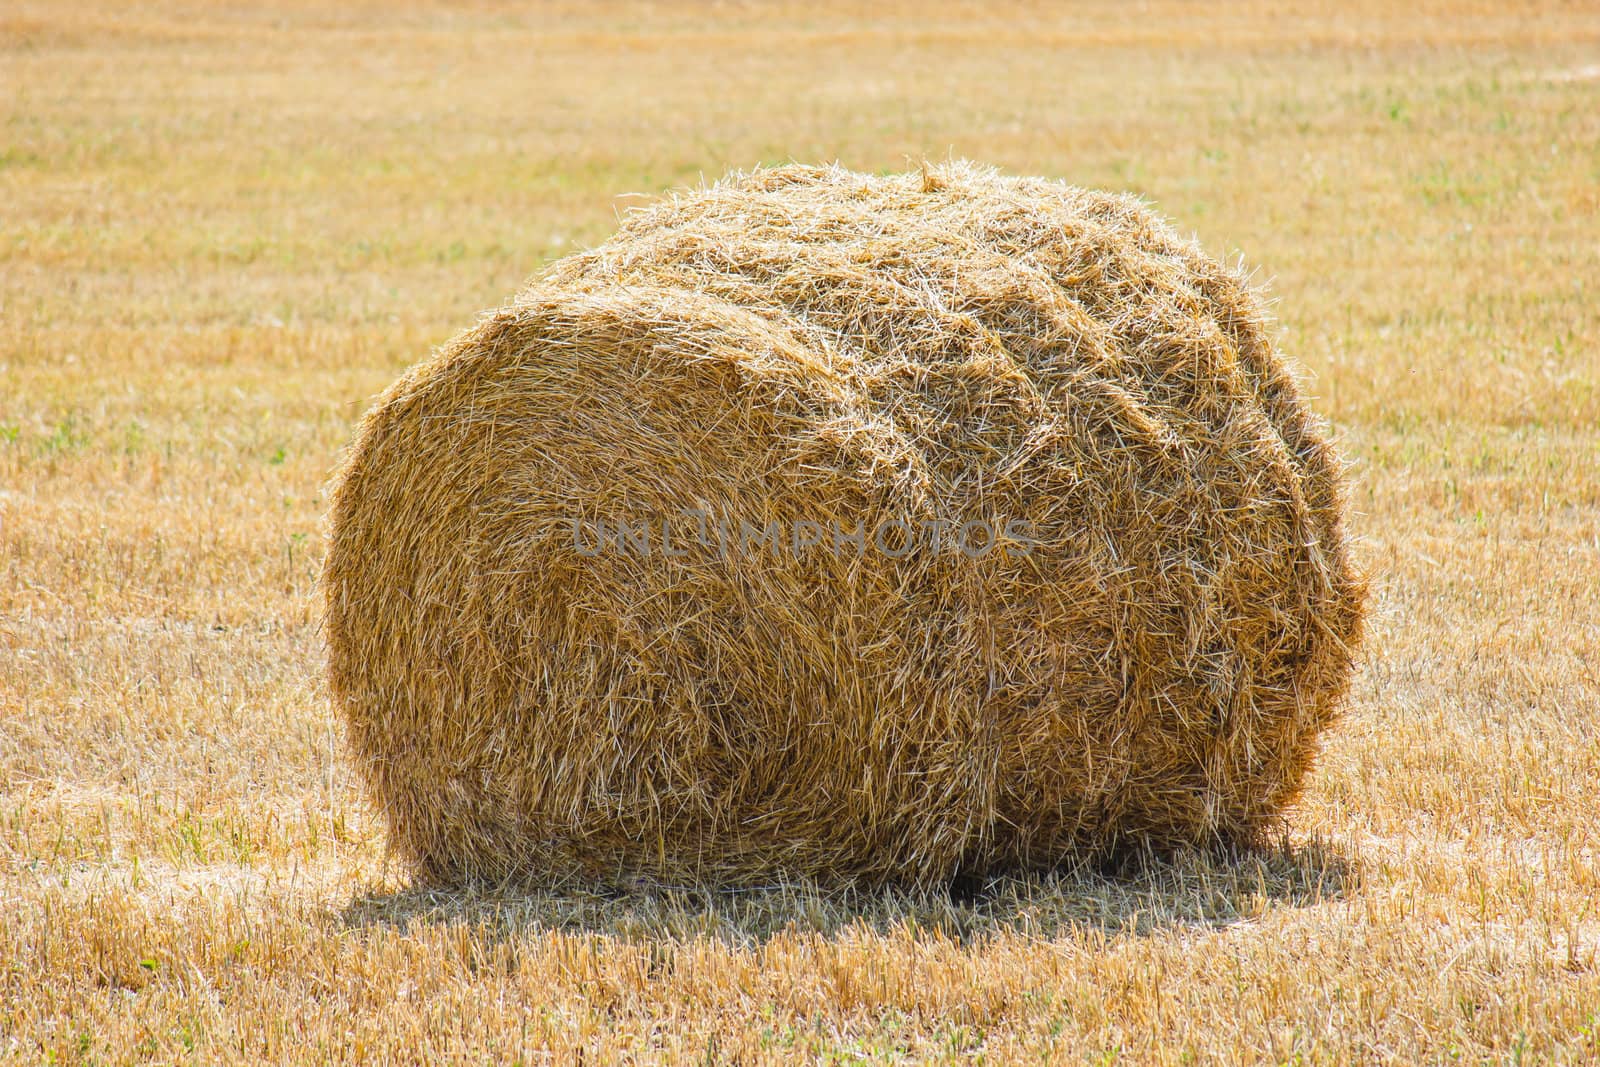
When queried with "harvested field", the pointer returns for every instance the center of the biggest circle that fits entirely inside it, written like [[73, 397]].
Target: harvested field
[[225, 230]]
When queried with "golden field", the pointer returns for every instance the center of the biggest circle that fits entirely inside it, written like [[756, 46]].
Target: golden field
[[223, 229]]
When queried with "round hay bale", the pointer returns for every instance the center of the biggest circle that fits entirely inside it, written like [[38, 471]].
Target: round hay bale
[[850, 527]]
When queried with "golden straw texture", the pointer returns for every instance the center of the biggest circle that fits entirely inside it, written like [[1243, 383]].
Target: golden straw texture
[[958, 522]]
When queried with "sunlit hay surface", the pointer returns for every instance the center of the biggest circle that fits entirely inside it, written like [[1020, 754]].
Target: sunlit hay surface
[[1083, 577]]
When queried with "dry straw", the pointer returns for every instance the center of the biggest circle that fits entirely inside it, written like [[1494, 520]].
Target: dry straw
[[772, 372]]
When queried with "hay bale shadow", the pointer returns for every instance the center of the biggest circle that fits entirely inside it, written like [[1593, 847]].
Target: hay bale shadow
[[1133, 894]]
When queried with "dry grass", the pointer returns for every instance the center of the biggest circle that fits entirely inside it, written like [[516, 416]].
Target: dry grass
[[1101, 595], [222, 230]]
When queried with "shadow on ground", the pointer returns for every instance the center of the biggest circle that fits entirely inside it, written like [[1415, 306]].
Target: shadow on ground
[[1132, 895]]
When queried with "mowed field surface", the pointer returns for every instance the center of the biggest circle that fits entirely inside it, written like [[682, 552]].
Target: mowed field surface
[[224, 229]]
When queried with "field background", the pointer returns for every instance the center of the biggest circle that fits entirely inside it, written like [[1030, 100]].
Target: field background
[[224, 228]]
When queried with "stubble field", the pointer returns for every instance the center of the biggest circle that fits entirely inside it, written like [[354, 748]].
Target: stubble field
[[223, 229]]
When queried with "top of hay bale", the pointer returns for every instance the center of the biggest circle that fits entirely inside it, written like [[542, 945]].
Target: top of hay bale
[[1114, 602]]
